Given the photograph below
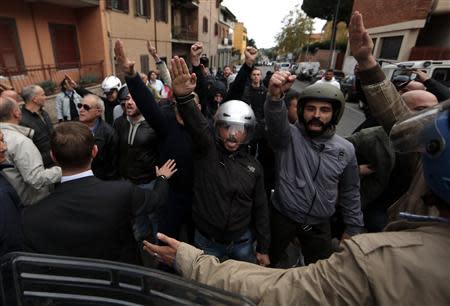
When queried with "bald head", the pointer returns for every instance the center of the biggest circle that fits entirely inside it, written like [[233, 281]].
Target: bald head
[[413, 85], [417, 100], [11, 94], [9, 111]]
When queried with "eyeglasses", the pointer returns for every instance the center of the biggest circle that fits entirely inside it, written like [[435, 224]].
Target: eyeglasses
[[85, 106]]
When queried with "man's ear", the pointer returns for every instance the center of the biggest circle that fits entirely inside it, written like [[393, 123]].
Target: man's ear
[[53, 157], [94, 151]]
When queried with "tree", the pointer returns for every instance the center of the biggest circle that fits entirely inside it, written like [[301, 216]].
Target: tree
[[295, 32], [325, 9]]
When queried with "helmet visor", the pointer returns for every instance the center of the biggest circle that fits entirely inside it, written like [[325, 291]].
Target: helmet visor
[[235, 132], [412, 134]]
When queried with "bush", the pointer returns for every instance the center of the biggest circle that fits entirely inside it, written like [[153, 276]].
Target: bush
[[48, 86], [88, 79]]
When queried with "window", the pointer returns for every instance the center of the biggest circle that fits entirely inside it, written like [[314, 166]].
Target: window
[[161, 13], [442, 75], [143, 8], [10, 51], [205, 25], [390, 47], [120, 5], [145, 67], [216, 29], [65, 45]]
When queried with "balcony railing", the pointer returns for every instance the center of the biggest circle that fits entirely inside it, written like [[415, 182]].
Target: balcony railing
[[50, 75], [429, 53], [184, 33]]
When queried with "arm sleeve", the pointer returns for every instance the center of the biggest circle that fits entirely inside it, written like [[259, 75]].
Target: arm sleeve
[[338, 280], [384, 101], [197, 126], [349, 197], [28, 161], [438, 89], [83, 91], [147, 201], [277, 123], [201, 89], [147, 104], [164, 73], [59, 107], [260, 212], [237, 87]]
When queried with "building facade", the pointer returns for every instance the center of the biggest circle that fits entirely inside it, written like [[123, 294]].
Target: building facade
[[240, 39], [226, 28]]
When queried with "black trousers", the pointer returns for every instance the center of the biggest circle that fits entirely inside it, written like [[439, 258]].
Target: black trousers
[[315, 240]]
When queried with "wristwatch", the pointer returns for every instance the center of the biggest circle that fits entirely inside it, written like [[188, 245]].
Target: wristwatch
[[163, 177]]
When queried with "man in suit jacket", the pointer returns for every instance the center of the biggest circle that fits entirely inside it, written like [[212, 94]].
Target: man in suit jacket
[[84, 216]]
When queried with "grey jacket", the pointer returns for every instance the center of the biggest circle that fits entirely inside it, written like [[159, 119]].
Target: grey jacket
[[313, 175], [28, 177]]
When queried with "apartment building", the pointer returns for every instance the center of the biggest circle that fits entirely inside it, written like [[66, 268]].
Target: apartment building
[[226, 28], [240, 39], [42, 40]]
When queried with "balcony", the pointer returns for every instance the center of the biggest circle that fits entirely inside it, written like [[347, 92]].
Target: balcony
[[69, 3], [184, 21], [184, 33]]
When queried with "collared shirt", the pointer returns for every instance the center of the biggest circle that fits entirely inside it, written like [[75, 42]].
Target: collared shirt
[[76, 176]]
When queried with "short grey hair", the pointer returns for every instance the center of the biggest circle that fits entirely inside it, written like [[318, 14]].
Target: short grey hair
[[29, 92], [98, 102], [7, 106]]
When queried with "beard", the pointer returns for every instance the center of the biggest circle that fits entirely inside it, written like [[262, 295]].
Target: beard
[[315, 121]]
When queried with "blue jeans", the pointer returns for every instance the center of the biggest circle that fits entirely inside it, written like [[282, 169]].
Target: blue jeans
[[240, 250], [144, 225]]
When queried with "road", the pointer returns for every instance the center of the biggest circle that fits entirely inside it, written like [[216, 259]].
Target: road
[[351, 118]]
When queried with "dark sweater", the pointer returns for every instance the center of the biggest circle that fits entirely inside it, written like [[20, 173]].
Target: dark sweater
[[174, 142]]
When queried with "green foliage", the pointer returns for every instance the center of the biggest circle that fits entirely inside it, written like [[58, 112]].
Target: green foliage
[[295, 32], [88, 79], [325, 9], [48, 86]]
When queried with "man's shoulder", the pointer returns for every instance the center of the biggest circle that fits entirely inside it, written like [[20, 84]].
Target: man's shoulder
[[342, 143]]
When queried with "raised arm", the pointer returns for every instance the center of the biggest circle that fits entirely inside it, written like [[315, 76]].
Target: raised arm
[[80, 90], [201, 88], [237, 88], [160, 64], [141, 94], [275, 110], [383, 99], [183, 85]]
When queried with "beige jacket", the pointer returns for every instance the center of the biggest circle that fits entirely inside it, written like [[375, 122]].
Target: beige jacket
[[28, 177], [409, 265], [388, 107]]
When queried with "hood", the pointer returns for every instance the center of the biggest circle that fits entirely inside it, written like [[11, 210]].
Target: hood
[[26, 131]]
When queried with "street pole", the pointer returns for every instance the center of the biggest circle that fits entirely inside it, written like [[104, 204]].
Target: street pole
[[332, 60]]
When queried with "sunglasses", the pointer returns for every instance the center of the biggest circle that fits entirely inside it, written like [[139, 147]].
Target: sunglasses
[[85, 106]]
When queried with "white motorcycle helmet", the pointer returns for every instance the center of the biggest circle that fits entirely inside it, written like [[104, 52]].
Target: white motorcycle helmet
[[110, 83], [237, 116]]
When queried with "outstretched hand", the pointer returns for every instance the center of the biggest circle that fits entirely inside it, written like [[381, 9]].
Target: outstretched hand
[[250, 56], [163, 253], [361, 44], [125, 64], [183, 82], [279, 83], [196, 52], [68, 80], [168, 169]]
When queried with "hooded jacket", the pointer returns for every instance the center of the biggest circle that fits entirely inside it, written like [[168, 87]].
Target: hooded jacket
[[314, 174], [28, 177]]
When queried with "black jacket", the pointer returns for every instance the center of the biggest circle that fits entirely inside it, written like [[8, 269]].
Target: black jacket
[[174, 141], [109, 106], [441, 91], [229, 196], [10, 217], [88, 217], [43, 128], [104, 164], [137, 150], [256, 97]]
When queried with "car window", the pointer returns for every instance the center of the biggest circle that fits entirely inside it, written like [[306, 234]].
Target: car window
[[442, 75]]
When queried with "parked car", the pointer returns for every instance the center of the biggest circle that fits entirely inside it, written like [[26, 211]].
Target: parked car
[[284, 66], [348, 88], [38, 279]]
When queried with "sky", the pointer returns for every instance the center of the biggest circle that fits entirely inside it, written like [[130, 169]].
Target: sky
[[263, 18]]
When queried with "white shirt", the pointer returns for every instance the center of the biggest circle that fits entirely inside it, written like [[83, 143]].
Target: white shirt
[[331, 82], [157, 85], [76, 176]]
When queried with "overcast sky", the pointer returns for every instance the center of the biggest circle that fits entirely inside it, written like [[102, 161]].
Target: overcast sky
[[262, 18]]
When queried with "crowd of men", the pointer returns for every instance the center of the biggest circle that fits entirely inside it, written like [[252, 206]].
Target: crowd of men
[[238, 169]]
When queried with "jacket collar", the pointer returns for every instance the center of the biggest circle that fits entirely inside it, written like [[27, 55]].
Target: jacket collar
[[26, 131]]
